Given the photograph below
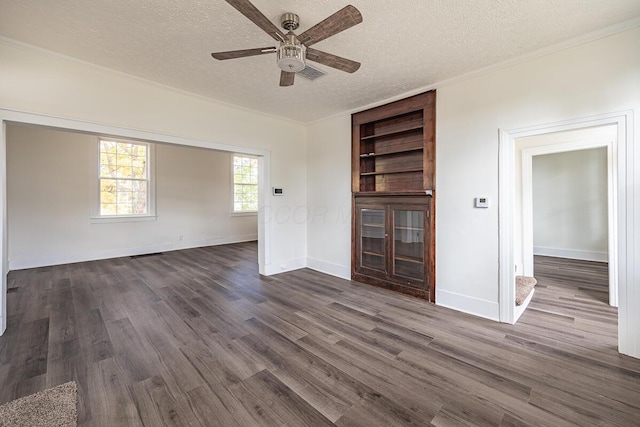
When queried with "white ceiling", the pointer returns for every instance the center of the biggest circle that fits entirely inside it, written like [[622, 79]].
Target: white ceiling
[[403, 45]]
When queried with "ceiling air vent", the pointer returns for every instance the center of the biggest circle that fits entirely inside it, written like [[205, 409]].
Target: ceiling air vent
[[311, 73]]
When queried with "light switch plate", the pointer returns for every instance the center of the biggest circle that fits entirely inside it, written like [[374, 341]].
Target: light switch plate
[[481, 202]]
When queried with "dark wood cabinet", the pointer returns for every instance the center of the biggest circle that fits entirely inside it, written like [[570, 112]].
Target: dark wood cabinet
[[391, 243], [393, 185]]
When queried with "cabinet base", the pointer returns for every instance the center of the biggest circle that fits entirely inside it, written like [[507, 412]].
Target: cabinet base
[[392, 286]]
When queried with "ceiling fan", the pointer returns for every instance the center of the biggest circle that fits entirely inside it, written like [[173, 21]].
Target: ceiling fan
[[293, 49]]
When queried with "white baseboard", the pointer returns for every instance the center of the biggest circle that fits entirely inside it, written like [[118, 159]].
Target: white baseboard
[[337, 270], [571, 254], [283, 267], [521, 308], [3, 302], [21, 264], [466, 304]]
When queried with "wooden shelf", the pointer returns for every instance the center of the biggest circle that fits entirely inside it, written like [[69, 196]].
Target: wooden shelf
[[407, 259], [391, 172], [382, 194], [373, 254], [396, 129], [408, 228], [391, 153]]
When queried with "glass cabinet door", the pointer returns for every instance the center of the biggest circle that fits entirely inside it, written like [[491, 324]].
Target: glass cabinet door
[[408, 244], [372, 235]]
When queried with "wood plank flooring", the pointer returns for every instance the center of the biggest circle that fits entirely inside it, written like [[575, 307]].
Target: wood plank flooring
[[197, 337]]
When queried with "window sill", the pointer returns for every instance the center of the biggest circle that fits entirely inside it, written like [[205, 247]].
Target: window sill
[[248, 213], [110, 219]]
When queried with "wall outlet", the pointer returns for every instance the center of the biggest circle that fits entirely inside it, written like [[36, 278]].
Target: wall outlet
[[180, 237]]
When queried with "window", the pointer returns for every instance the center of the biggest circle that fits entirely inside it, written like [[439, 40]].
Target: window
[[245, 184], [124, 177]]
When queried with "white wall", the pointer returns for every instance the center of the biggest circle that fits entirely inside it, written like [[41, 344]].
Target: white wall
[[593, 78], [570, 204], [329, 196], [50, 178]]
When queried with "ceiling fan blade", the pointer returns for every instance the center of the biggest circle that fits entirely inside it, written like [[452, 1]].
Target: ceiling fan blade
[[334, 61], [345, 18], [232, 54], [250, 11], [286, 78]]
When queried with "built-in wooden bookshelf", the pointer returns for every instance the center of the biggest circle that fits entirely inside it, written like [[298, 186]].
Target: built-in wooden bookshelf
[[393, 175], [393, 146]]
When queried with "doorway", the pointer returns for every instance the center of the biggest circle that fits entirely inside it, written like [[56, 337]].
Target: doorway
[[575, 199], [510, 214], [29, 119], [60, 211], [570, 232]]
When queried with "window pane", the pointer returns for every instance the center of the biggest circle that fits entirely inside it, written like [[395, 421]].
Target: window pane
[[124, 148], [124, 185], [245, 179], [138, 173], [139, 203], [124, 198], [108, 185], [246, 195], [139, 165], [107, 197], [139, 150], [108, 164], [139, 186], [128, 194], [121, 172], [107, 171], [108, 146], [108, 209], [125, 209]]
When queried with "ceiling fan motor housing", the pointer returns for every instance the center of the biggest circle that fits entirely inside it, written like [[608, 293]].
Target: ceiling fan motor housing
[[290, 21], [291, 54]]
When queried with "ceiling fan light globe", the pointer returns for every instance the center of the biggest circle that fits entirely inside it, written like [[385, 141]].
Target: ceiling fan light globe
[[291, 58]]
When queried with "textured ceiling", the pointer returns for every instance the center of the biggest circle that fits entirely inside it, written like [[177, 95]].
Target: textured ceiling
[[402, 45]]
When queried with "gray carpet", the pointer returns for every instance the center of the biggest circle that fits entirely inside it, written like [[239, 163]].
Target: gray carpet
[[53, 407]]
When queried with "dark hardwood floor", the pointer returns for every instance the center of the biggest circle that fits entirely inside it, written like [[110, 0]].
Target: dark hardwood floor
[[197, 337]]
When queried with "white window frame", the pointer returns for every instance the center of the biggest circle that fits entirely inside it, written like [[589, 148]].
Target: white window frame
[[234, 212], [96, 217]]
